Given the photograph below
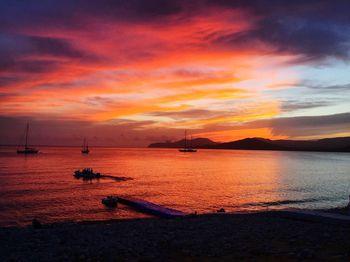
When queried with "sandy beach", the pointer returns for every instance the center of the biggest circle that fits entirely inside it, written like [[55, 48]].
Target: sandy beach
[[264, 236]]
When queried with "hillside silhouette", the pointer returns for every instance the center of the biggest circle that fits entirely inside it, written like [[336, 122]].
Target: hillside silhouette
[[197, 142], [338, 144]]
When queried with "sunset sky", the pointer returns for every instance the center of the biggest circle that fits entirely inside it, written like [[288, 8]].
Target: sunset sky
[[128, 73]]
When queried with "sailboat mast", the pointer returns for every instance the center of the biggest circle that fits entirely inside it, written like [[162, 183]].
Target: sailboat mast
[[27, 130], [185, 138]]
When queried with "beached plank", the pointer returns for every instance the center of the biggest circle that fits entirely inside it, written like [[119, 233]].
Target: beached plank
[[151, 208]]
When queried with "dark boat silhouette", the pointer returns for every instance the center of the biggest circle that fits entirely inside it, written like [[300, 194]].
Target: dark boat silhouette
[[27, 149], [188, 148], [86, 173], [85, 149], [110, 201]]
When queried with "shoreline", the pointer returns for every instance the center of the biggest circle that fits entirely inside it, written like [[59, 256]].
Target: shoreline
[[246, 236], [336, 210]]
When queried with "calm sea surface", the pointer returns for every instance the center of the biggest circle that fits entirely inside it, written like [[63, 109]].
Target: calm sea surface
[[43, 185]]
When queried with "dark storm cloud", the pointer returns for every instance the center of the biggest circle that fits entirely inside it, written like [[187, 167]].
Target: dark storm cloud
[[5, 80], [330, 88], [293, 127], [293, 105], [66, 13], [134, 9], [53, 46], [15, 50], [34, 66], [14, 45], [312, 121], [314, 29], [305, 125], [5, 96], [336, 10]]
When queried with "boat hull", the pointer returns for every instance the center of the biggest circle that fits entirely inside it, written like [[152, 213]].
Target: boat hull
[[110, 202], [185, 150], [24, 151]]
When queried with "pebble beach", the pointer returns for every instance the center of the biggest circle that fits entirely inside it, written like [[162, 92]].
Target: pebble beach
[[262, 236]]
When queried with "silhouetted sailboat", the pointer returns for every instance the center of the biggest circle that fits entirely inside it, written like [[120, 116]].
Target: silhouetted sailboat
[[187, 148], [85, 149], [26, 149]]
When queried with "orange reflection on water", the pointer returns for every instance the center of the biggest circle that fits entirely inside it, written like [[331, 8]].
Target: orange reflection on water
[[43, 186]]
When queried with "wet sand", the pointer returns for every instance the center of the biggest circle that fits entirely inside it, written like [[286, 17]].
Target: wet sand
[[261, 236]]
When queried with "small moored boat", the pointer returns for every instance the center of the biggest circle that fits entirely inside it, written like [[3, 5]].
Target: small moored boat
[[27, 149], [86, 173], [187, 148], [85, 149], [110, 201]]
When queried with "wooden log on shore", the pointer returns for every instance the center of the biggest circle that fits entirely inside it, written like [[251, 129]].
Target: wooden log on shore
[[151, 208]]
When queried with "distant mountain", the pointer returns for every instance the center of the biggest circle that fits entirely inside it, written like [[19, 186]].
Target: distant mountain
[[197, 143], [338, 144], [346, 149], [250, 143], [326, 144]]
